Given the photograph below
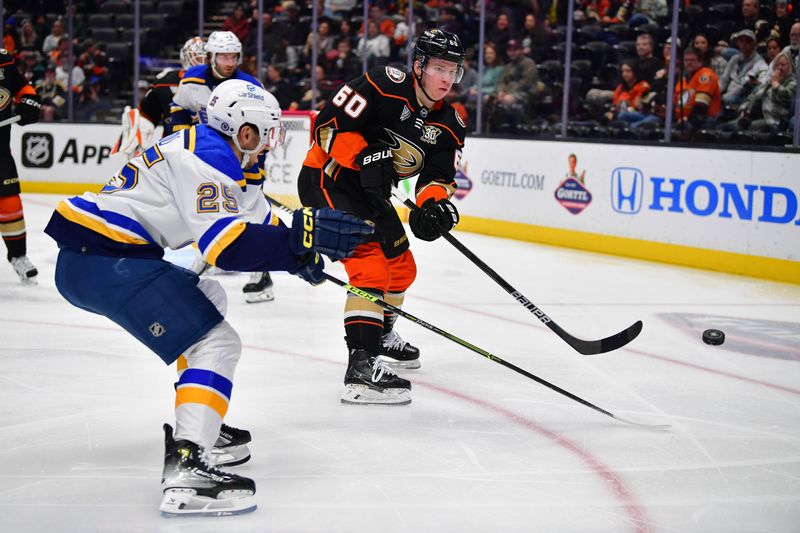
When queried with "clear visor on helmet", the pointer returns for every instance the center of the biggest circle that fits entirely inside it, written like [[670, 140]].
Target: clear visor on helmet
[[267, 122], [450, 71]]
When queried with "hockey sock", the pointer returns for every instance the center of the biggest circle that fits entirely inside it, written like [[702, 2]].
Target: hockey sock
[[363, 322], [389, 318], [12, 226]]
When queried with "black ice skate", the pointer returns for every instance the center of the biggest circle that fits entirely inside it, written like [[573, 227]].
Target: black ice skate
[[369, 380], [194, 488], [399, 353], [231, 447], [24, 268], [259, 288]]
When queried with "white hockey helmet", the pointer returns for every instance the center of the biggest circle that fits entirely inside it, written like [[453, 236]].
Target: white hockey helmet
[[222, 42], [234, 103], [193, 52]]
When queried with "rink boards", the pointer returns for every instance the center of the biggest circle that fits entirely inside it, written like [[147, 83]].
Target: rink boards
[[725, 210]]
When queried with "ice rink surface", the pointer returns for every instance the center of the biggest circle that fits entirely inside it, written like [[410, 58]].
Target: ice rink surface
[[480, 448]]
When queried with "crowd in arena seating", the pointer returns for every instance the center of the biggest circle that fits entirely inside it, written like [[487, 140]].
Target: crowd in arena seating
[[736, 79]]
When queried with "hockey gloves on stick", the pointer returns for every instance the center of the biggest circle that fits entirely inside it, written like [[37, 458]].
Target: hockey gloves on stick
[[433, 219], [28, 109], [377, 172], [327, 231]]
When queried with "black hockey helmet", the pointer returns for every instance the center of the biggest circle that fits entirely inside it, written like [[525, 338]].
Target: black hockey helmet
[[441, 44]]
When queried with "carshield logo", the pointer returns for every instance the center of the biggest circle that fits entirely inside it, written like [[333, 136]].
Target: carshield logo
[[627, 189]]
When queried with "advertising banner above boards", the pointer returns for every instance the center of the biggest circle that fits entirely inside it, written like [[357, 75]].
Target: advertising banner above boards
[[733, 211], [72, 158]]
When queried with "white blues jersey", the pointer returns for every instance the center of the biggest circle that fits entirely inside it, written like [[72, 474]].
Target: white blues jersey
[[189, 187]]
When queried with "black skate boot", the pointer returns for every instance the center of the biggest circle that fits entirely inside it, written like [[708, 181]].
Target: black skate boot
[[369, 380], [194, 488], [231, 447], [259, 288], [399, 353]]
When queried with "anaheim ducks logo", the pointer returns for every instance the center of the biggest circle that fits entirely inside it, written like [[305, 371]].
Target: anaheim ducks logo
[[408, 157]]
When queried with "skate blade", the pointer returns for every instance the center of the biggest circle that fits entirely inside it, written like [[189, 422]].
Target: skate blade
[[230, 455], [363, 395], [185, 503], [258, 297], [411, 364]]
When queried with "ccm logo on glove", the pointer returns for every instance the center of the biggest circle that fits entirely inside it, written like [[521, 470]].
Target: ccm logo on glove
[[308, 227]]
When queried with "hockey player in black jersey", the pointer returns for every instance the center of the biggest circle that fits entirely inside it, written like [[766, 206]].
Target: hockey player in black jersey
[[17, 96], [382, 127], [139, 124]]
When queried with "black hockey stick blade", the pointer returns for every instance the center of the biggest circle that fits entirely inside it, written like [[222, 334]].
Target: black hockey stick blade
[[609, 344], [584, 347]]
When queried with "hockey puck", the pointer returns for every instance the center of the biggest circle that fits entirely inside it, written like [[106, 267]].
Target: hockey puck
[[714, 337]]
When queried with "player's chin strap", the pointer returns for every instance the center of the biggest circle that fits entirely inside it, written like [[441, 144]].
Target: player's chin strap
[[421, 86]]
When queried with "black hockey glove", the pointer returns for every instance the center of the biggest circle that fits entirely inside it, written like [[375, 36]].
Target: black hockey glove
[[312, 270], [28, 109], [327, 231], [377, 170], [433, 219]]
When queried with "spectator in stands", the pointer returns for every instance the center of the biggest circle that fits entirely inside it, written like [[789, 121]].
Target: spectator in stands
[[279, 87], [749, 19], [61, 50], [9, 38], [780, 23], [593, 10], [773, 49], [646, 63], [344, 65], [56, 34], [647, 12], [30, 66], [53, 96], [377, 14], [745, 70], [710, 57], [377, 45], [63, 77], [697, 100], [325, 89], [627, 102], [28, 39], [769, 107], [793, 50], [492, 69], [271, 36], [517, 88], [238, 23], [501, 33], [346, 31], [91, 100], [339, 8], [325, 40], [535, 38]]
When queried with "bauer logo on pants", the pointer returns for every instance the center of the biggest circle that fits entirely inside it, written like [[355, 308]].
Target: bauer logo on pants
[[37, 150]]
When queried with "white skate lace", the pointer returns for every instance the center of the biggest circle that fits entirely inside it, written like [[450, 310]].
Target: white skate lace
[[393, 341], [379, 368]]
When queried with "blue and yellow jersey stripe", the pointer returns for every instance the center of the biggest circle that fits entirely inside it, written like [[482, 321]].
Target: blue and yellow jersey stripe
[[219, 236], [204, 387], [109, 224], [198, 81]]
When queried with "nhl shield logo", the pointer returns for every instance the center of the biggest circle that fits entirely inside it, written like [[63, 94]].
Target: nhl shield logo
[[156, 329], [37, 150]]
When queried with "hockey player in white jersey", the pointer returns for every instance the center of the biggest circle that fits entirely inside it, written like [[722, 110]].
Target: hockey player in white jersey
[[139, 124], [189, 187], [224, 55]]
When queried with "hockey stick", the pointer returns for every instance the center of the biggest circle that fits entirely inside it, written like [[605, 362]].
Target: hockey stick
[[389, 307], [9, 121], [585, 347]]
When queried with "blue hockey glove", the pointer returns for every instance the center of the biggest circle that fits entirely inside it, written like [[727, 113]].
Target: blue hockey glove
[[327, 231], [312, 269]]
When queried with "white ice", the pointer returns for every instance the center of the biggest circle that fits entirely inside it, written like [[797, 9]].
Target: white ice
[[480, 449]]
